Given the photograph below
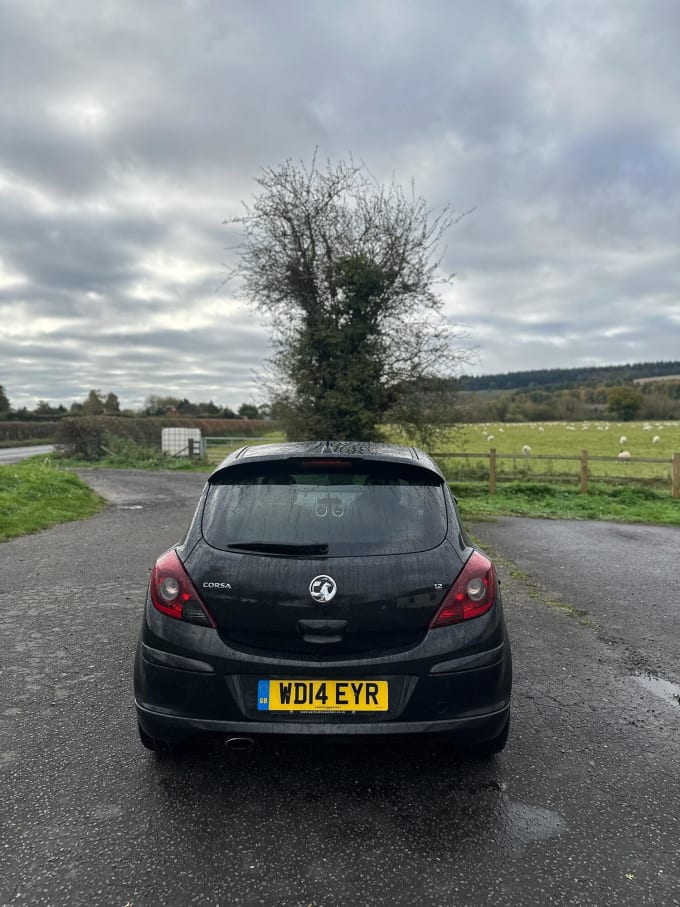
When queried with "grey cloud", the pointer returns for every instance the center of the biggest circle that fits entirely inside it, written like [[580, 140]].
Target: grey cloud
[[128, 133], [48, 155], [78, 255], [215, 364], [632, 158]]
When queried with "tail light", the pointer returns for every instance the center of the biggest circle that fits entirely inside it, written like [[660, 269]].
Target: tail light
[[173, 593], [472, 594]]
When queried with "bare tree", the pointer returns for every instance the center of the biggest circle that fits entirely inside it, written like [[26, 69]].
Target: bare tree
[[4, 403], [347, 270]]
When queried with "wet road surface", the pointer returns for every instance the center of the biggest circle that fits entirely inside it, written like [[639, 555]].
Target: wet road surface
[[625, 578], [15, 454], [581, 808]]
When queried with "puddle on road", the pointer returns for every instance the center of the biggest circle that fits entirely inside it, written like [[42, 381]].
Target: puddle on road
[[664, 689], [527, 824]]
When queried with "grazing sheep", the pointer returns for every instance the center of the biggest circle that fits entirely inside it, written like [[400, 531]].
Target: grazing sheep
[[624, 455], [623, 439], [540, 428], [646, 427], [489, 437], [656, 439], [526, 450]]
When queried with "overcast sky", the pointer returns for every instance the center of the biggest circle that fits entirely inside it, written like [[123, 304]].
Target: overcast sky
[[129, 131]]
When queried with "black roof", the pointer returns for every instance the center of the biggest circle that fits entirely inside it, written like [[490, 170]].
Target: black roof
[[360, 450]]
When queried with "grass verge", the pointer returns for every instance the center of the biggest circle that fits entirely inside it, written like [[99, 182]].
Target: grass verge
[[623, 504], [153, 462], [35, 494], [124, 453]]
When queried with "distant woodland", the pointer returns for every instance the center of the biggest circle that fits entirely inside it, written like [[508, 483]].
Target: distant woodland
[[561, 378], [647, 390]]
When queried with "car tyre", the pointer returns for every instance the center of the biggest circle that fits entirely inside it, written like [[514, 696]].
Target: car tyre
[[153, 743], [487, 749]]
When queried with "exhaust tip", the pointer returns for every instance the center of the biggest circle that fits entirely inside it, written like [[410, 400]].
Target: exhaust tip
[[240, 743]]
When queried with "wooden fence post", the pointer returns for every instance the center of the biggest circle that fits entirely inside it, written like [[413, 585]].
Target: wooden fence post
[[492, 471], [584, 472], [676, 476]]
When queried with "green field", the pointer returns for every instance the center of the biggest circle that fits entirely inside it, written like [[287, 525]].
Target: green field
[[562, 439]]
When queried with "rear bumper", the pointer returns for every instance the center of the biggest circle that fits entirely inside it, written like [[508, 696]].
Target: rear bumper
[[466, 730], [456, 683]]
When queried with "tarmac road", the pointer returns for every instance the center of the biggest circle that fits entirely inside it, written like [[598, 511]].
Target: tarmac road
[[15, 454], [581, 808], [624, 577]]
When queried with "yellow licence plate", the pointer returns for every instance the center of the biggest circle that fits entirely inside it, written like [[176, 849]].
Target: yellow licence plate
[[322, 695]]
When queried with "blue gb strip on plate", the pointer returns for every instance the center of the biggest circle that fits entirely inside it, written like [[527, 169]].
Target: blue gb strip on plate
[[263, 695]]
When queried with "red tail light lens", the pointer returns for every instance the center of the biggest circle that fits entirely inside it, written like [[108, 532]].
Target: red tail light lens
[[173, 593], [472, 594]]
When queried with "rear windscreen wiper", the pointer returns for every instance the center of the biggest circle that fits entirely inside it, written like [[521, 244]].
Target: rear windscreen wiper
[[303, 550]]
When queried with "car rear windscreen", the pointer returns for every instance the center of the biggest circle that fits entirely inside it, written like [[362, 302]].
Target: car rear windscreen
[[309, 508]]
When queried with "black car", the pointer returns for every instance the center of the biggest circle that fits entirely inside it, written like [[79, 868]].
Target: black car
[[324, 588]]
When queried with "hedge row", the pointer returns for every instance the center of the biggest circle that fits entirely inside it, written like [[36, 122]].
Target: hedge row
[[27, 431], [84, 436]]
